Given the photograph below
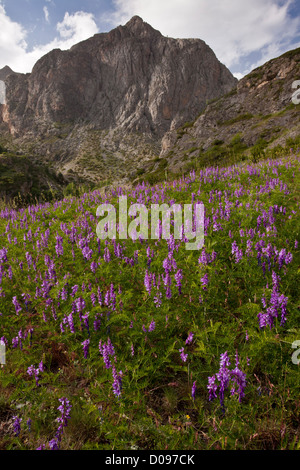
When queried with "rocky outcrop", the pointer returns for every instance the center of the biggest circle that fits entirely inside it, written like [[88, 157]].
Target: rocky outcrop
[[5, 72], [259, 108], [131, 79]]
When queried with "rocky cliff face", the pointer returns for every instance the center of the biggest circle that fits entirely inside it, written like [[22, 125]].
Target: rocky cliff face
[[258, 109], [131, 80]]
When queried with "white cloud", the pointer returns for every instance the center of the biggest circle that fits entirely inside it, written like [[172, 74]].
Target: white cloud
[[77, 27], [271, 51], [12, 39], [239, 31], [238, 75], [46, 13], [13, 46], [232, 28]]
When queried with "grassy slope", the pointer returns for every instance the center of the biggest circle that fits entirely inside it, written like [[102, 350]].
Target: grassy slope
[[155, 409], [26, 180], [21, 178]]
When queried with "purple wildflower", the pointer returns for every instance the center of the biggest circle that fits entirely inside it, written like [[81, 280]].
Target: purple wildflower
[[189, 338], [147, 282], [204, 281], [183, 355], [238, 253], [106, 255], [157, 299], [74, 290], [107, 350], [212, 388], [194, 388], [149, 256], [53, 444], [178, 278], [87, 253], [64, 409], [18, 307], [223, 377], [278, 304], [17, 425], [151, 326], [35, 371], [85, 345], [59, 246], [71, 322], [80, 304], [117, 383]]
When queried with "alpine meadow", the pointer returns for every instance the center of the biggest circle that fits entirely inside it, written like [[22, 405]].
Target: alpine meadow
[[164, 340]]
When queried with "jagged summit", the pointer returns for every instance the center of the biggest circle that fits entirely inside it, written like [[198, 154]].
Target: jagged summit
[[136, 21], [5, 71], [116, 80], [138, 26]]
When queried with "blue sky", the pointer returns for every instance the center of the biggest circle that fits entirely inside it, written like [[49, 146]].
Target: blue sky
[[244, 34]]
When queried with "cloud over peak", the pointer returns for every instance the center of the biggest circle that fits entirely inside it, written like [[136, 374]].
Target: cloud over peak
[[242, 34], [14, 49], [232, 28]]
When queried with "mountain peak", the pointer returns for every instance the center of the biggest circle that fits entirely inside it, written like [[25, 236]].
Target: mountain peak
[[131, 81], [138, 25], [135, 20], [5, 71]]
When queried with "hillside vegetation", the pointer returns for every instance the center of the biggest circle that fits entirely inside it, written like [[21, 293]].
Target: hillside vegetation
[[124, 344]]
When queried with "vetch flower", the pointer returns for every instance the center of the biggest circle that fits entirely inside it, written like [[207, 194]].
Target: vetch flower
[[157, 299], [71, 322], [85, 345], [65, 410], [35, 371], [204, 281], [183, 355], [53, 445], [189, 338], [147, 282], [278, 304], [178, 278], [238, 253], [194, 388], [74, 290], [221, 380], [117, 383], [18, 307], [107, 350], [17, 425]]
